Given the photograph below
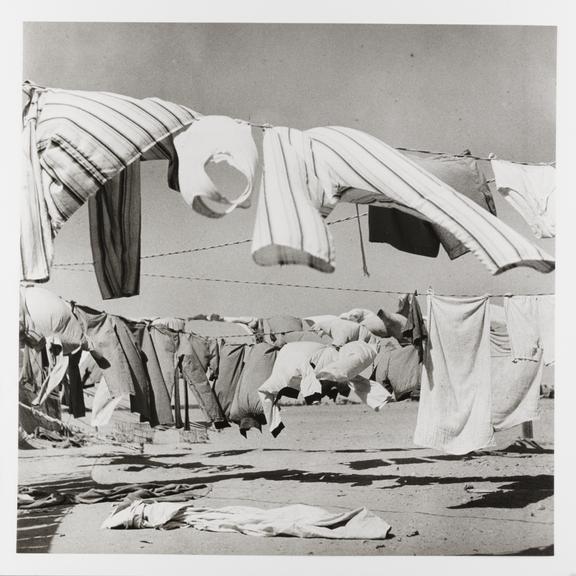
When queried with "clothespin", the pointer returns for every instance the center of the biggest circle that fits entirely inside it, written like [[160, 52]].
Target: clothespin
[[491, 156]]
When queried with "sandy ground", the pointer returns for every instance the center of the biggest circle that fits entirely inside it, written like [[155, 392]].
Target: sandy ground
[[335, 456]]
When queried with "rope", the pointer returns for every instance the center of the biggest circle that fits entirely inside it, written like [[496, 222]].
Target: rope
[[199, 249], [307, 286]]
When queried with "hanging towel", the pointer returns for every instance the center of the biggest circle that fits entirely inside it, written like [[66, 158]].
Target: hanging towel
[[356, 167], [546, 326], [114, 215], [454, 414], [515, 384], [523, 327], [531, 191], [299, 520], [289, 226], [214, 139]]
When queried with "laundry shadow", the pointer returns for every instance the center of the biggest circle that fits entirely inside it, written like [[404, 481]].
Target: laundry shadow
[[516, 494], [379, 463], [534, 551], [36, 528]]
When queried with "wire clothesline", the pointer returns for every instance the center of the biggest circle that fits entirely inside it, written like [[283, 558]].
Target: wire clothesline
[[306, 286]]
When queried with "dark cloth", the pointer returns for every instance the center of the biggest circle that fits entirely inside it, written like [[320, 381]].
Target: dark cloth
[[115, 221], [246, 409], [76, 390], [160, 396], [415, 331], [404, 231], [196, 379], [229, 373]]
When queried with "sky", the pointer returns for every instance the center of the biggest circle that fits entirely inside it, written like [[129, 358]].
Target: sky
[[489, 89]]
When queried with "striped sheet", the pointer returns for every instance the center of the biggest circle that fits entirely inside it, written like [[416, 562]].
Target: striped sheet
[[360, 168], [86, 138], [289, 227]]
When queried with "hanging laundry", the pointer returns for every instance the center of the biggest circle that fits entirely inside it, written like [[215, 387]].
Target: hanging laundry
[[522, 322], [229, 372], [115, 217], [353, 359], [531, 191], [246, 409], [49, 316], [103, 405], [341, 331], [299, 520], [454, 413], [414, 331], [75, 387], [400, 367], [56, 374], [371, 393], [403, 231], [289, 226], [294, 373], [355, 167], [368, 319], [546, 325], [214, 139], [281, 329], [515, 384]]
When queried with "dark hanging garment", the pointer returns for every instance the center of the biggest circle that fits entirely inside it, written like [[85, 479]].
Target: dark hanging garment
[[115, 221], [76, 392], [229, 372], [403, 231]]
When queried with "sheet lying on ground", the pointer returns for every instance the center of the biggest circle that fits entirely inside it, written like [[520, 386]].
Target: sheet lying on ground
[[298, 520], [29, 497]]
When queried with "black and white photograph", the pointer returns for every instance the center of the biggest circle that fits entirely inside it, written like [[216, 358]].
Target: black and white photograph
[[285, 289]]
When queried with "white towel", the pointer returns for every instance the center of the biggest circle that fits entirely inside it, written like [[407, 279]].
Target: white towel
[[454, 414], [523, 328], [546, 326]]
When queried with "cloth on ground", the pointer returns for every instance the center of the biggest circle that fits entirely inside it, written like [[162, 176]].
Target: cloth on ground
[[31, 498], [353, 166], [299, 520], [531, 191], [289, 226], [115, 219], [214, 139], [246, 409], [454, 413]]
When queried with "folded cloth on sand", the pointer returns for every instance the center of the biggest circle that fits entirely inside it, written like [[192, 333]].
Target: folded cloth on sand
[[298, 520]]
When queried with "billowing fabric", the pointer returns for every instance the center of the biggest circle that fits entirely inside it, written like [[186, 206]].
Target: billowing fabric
[[75, 142], [115, 219], [299, 520], [522, 322], [214, 139], [454, 413], [515, 383], [341, 331], [289, 226], [246, 409], [293, 372], [229, 373], [353, 358], [103, 405], [531, 190], [401, 368], [403, 231], [463, 175], [371, 393], [368, 319], [356, 167], [56, 374], [36, 233], [51, 317]]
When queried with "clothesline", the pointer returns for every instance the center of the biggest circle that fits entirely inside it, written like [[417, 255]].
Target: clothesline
[[308, 286], [202, 248]]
